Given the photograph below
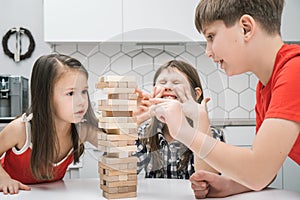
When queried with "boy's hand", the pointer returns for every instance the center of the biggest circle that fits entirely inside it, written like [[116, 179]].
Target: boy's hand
[[207, 185], [11, 186], [170, 111]]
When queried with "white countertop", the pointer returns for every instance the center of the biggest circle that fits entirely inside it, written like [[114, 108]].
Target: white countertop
[[73, 189]]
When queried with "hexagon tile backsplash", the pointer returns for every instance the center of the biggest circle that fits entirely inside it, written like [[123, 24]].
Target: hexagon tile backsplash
[[232, 98]]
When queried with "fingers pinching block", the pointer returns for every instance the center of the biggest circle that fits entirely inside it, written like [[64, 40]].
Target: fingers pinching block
[[117, 167]]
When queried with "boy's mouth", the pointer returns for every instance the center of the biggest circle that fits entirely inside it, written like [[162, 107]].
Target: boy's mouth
[[220, 62]]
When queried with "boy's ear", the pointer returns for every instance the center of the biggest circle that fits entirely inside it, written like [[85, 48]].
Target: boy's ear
[[249, 25]]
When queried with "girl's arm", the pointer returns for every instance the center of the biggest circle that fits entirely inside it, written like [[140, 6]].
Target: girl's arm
[[13, 135]]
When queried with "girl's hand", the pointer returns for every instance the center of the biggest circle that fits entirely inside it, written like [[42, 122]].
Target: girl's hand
[[143, 111], [11, 186]]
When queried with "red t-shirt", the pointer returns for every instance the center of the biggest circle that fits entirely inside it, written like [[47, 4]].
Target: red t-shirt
[[18, 167], [280, 98], [17, 162]]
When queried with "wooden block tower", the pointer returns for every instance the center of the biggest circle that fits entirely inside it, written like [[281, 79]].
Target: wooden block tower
[[117, 167]]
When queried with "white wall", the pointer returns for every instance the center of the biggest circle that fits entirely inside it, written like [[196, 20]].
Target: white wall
[[27, 14], [290, 28]]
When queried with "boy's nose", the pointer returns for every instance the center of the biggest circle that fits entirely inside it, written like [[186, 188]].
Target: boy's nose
[[208, 53]]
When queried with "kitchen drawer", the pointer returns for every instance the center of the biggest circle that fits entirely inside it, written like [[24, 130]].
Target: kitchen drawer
[[239, 135]]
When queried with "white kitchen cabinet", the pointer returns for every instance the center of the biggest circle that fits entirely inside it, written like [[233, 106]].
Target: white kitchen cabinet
[[160, 21], [243, 136], [87, 166], [82, 21], [291, 175], [120, 21], [288, 177], [290, 29], [239, 135]]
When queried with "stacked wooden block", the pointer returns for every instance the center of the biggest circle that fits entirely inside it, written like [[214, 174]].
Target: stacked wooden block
[[117, 167]]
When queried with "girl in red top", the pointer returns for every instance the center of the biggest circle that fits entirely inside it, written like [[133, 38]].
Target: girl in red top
[[39, 146]]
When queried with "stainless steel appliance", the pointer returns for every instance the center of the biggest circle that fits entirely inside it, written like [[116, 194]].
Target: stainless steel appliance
[[14, 92]]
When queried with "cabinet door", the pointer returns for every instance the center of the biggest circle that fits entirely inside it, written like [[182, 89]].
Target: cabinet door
[[160, 21], [242, 136], [290, 28], [291, 175], [82, 21]]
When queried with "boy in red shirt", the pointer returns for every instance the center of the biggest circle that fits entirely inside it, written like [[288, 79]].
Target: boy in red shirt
[[244, 36]]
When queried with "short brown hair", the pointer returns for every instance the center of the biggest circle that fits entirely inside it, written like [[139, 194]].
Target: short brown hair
[[266, 12]]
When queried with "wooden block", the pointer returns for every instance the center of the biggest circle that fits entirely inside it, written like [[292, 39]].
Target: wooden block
[[111, 137], [117, 119], [117, 125], [117, 178], [108, 161], [123, 96], [118, 149], [118, 90], [107, 143], [116, 108], [118, 189], [119, 155], [113, 102], [107, 170], [120, 131], [117, 79], [131, 84], [119, 183], [123, 84], [101, 85], [117, 113], [116, 143], [119, 195], [125, 167]]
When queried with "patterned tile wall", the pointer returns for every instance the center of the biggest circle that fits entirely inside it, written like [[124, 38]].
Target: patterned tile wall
[[232, 98]]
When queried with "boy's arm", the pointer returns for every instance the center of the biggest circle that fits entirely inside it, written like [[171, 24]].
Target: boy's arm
[[199, 163], [254, 168]]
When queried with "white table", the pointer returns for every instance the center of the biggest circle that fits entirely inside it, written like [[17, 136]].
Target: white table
[[73, 189]]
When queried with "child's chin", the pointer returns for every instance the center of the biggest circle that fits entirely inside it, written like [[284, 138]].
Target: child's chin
[[77, 120]]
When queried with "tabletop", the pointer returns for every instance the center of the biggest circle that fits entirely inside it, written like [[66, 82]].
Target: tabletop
[[72, 189]]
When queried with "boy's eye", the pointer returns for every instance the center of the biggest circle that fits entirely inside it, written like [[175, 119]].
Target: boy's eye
[[84, 92], [162, 82], [210, 37]]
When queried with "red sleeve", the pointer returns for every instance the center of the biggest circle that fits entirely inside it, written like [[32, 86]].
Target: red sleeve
[[285, 101]]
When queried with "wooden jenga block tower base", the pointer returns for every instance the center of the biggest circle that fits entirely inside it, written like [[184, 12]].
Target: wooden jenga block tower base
[[117, 168]]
